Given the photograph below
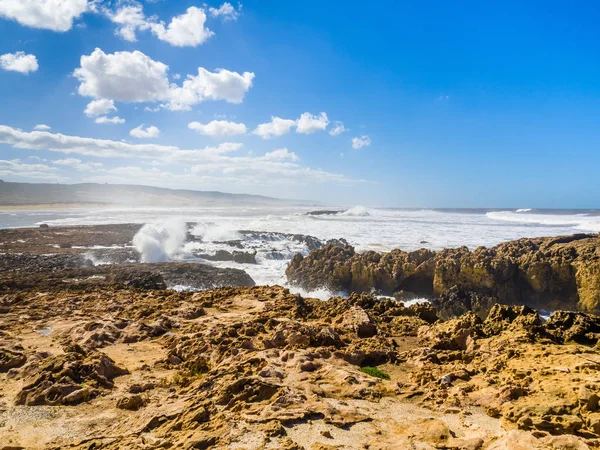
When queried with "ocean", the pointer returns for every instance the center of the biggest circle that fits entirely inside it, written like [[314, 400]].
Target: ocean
[[380, 229]]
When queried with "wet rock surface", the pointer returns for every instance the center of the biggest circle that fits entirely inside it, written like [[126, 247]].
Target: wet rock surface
[[544, 273]]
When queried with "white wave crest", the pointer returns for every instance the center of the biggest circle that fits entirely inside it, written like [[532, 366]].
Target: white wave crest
[[218, 233], [357, 211], [160, 242], [578, 222], [522, 210]]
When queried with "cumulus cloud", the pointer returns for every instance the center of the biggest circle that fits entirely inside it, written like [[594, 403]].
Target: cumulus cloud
[[276, 127], [185, 30], [116, 120], [218, 128], [122, 76], [206, 164], [99, 107], [362, 141], [338, 128], [79, 165], [140, 132], [42, 127], [220, 85], [55, 15], [135, 77], [281, 154], [308, 123], [19, 62], [226, 11]]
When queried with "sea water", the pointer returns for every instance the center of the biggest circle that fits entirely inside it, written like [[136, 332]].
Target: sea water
[[379, 229]]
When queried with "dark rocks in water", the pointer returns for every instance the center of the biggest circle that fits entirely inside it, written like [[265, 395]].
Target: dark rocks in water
[[200, 276], [26, 262], [148, 276], [311, 242], [115, 255], [44, 226], [324, 212], [139, 279], [544, 273], [235, 256]]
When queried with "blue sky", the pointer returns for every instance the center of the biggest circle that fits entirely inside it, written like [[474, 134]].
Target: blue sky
[[482, 104]]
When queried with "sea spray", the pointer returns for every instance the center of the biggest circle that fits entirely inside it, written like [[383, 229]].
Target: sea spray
[[357, 211], [161, 241], [213, 232]]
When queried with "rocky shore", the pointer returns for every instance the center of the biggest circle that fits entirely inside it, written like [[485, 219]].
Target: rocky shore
[[109, 357], [544, 273]]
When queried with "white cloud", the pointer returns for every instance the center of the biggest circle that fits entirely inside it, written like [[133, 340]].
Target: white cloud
[[218, 128], [17, 168], [276, 127], [210, 164], [129, 18], [359, 142], [116, 120], [56, 15], [122, 76], [281, 154], [338, 128], [99, 107], [19, 62], [41, 127], [79, 165], [145, 133], [220, 85], [185, 30], [135, 77], [308, 123], [226, 11]]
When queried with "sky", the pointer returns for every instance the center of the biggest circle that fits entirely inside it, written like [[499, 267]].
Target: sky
[[392, 103]]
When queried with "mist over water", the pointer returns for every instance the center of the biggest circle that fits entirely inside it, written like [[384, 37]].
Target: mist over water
[[163, 237]]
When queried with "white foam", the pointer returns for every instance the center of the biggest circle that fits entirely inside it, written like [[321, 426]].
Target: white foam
[[159, 242], [357, 211], [523, 210], [213, 232], [576, 221]]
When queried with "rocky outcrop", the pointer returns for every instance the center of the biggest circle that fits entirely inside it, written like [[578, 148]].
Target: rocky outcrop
[[544, 273], [26, 271], [263, 368], [68, 379]]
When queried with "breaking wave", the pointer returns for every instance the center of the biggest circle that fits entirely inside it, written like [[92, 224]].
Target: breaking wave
[[576, 221], [160, 242], [357, 211]]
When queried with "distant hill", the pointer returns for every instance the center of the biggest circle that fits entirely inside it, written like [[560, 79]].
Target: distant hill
[[13, 194]]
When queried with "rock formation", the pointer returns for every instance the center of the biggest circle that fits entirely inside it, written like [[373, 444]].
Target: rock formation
[[544, 273]]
